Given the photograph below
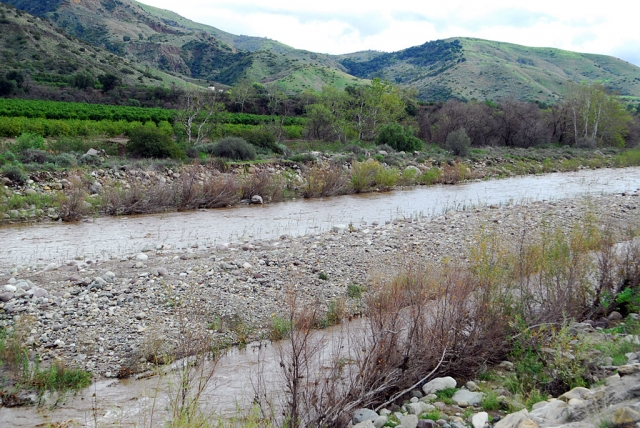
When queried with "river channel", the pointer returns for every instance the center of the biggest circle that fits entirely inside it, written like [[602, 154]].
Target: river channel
[[105, 237], [134, 402]]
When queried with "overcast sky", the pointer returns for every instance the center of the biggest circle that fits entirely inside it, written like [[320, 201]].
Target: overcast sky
[[343, 26]]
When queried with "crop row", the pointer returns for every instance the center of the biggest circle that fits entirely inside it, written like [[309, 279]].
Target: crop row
[[11, 127], [10, 107]]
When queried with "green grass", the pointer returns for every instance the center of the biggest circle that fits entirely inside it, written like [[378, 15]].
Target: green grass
[[14, 358], [445, 395], [354, 291], [434, 415], [280, 328], [490, 401]]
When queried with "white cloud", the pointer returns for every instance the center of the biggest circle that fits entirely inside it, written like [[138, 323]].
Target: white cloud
[[340, 26]]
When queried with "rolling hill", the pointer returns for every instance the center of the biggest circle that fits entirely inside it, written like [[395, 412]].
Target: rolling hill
[[468, 68], [35, 47], [462, 68], [175, 45]]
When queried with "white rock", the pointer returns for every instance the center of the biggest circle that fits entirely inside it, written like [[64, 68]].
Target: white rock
[[480, 420], [438, 384], [10, 288], [142, 257]]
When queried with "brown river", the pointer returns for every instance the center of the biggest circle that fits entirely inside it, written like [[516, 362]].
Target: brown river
[[144, 402], [106, 237]]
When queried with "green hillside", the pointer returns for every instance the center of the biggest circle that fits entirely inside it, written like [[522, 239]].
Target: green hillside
[[164, 40], [469, 68], [462, 68]]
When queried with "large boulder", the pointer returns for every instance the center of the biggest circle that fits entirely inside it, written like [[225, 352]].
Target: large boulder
[[438, 384], [554, 412]]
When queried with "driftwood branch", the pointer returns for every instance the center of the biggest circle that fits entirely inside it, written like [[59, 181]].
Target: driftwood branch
[[401, 393]]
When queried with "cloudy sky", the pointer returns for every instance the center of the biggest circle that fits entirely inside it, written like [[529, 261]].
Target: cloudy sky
[[343, 26]]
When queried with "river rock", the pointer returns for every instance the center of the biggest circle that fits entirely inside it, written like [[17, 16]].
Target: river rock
[[614, 316], [142, 257], [10, 288], [40, 292], [5, 297], [365, 424], [380, 421], [468, 397], [438, 384], [416, 408], [257, 200], [519, 419], [625, 415], [427, 423], [629, 369], [554, 412], [163, 271], [409, 421], [480, 420], [362, 415]]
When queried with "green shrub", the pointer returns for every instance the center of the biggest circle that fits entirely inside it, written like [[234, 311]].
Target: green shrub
[[398, 137], [64, 160], [151, 142], [458, 142], [354, 291], [280, 328], [28, 140], [14, 173], [234, 148]]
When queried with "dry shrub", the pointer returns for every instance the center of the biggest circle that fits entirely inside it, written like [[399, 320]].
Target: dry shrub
[[189, 192], [194, 191], [263, 183], [74, 206], [137, 199], [328, 180], [451, 319], [363, 175], [452, 174], [411, 324]]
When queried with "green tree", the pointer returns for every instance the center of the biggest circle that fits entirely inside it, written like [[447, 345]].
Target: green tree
[[596, 116], [373, 106], [398, 137], [108, 81], [82, 80], [242, 92], [327, 117]]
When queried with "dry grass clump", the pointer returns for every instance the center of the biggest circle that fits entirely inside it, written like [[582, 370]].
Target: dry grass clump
[[320, 181], [74, 206]]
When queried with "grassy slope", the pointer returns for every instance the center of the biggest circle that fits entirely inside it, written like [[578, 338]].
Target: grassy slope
[[185, 49], [31, 44], [493, 70]]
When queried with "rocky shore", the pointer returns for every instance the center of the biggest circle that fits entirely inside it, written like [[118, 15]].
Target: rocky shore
[[103, 315]]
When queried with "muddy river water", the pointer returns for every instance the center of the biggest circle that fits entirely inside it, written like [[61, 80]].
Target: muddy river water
[[108, 236], [136, 402]]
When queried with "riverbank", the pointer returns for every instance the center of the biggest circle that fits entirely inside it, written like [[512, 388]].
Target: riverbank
[[111, 316], [117, 188]]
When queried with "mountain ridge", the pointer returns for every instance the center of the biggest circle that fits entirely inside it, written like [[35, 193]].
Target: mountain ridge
[[462, 68]]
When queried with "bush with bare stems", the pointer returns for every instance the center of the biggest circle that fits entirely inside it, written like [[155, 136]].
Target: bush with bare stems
[[74, 205], [263, 183], [321, 181], [452, 319]]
